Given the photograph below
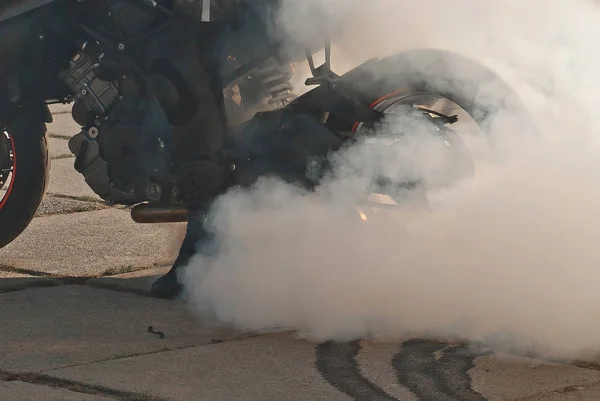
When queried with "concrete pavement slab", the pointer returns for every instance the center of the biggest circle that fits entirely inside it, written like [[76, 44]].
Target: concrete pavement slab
[[55, 205], [273, 367], [96, 338], [60, 108], [21, 391], [135, 281], [65, 180], [279, 367], [63, 125], [46, 328], [506, 377], [90, 243], [59, 148]]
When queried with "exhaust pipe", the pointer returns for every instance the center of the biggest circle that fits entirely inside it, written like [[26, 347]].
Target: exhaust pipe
[[146, 213]]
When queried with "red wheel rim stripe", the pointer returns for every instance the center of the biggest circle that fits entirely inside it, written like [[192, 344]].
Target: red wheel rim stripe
[[376, 102], [14, 173]]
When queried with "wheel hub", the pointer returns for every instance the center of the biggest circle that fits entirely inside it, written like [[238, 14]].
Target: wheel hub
[[437, 155]]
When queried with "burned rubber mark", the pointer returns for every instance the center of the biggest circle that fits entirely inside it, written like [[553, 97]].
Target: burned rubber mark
[[337, 364], [436, 371]]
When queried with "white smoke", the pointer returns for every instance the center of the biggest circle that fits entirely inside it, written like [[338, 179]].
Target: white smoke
[[509, 258]]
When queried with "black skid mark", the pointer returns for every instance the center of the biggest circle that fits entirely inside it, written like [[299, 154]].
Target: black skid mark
[[436, 379], [337, 364]]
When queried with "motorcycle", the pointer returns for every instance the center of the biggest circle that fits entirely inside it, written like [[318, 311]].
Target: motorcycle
[[101, 55]]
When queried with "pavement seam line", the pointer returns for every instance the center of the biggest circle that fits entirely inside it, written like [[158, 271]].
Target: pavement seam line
[[54, 281], [214, 341], [116, 288], [560, 390], [88, 199], [97, 209], [66, 212], [120, 358], [59, 136], [57, 112], [36, 274], [41, 282], [586, 365], [75, 386], [51, 280], [18, 270]]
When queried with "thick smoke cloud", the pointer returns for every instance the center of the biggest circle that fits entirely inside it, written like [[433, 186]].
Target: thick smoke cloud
[[509, 258]]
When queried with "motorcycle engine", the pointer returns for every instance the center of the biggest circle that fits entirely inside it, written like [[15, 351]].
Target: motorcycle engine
[[122, 148]]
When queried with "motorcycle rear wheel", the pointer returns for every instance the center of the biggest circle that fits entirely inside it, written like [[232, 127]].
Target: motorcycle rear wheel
[[25, 176], [472, 86], [464, 85]]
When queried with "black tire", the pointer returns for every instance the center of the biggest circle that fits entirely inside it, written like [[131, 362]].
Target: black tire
[[466, 82], [469, 84], [31, 172]]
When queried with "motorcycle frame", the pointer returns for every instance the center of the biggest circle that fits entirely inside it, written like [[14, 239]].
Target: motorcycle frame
[[336, 97]]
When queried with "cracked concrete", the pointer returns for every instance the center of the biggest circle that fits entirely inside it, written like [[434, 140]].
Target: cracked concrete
[[79, 342], [267, 374], [74, 325]]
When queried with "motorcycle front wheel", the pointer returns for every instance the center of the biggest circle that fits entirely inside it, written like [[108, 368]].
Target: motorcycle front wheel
[[24, 172]]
